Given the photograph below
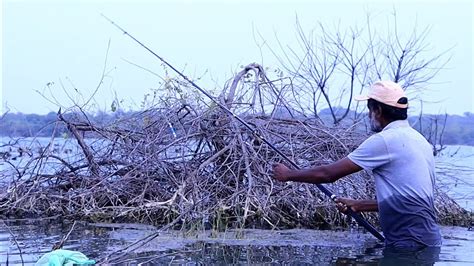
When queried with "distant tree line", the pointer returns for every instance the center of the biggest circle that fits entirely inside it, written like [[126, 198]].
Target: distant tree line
[[29, 125], [439, 129], [35, 125], [458, 129]]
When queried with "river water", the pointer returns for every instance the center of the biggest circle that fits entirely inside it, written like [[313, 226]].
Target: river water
[[297, 246], [25, 241], [455, 174]]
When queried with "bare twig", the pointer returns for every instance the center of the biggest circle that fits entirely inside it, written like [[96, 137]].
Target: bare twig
[[16, 242]]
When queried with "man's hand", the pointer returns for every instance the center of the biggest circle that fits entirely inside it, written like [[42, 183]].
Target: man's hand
[[281, 172], [344, 203], [356, 205]]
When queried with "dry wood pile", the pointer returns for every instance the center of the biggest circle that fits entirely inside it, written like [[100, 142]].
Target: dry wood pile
[[191, 165]]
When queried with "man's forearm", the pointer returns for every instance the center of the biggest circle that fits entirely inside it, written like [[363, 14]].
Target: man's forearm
[[315, 175], [366, 206], [324, 173]]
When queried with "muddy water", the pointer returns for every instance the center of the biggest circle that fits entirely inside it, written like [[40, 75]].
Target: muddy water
[[311, 247]]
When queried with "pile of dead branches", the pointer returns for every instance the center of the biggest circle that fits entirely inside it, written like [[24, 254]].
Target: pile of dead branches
[[191, 165]]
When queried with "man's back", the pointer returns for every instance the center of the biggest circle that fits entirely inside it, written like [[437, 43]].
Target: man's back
[[403, 165]]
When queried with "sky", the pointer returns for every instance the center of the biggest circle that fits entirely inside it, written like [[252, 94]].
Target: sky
[[54, 53]]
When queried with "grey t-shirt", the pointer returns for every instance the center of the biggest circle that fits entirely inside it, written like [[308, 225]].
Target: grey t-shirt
[[402, 162]]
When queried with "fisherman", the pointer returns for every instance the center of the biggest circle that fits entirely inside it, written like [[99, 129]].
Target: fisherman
[[402, 163]]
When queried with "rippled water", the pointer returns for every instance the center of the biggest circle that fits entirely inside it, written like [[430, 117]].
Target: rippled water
[[310, 247]]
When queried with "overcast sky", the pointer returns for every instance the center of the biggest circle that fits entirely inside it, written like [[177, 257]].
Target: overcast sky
[[51, 47]]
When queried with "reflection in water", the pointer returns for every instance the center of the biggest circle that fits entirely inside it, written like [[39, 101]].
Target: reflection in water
[[294, 247], [204, 253], [416, 256], [392, 256], [213, 253], [37, 236]]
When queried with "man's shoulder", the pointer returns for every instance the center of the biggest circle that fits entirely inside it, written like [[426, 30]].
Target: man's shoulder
[[374, 139], [372, 153], [400, 138], [400, 132], [374, 144]]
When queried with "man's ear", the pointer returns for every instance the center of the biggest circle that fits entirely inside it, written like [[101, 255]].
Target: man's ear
[[377, 111]]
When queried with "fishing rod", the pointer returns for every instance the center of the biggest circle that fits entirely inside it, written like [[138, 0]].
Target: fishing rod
[[360, 220]]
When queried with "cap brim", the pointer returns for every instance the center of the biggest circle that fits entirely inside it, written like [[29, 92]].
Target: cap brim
[[361, 97]]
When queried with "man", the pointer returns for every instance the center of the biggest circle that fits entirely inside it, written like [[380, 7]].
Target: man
[[402, 163]]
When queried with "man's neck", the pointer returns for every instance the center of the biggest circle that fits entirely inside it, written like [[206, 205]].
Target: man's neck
[[386, 122]]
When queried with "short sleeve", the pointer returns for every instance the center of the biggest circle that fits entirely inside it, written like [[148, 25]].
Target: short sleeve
[[372, 153]]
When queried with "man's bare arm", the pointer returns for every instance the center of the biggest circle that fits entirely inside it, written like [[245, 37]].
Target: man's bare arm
[[357, 205], [317, 175]]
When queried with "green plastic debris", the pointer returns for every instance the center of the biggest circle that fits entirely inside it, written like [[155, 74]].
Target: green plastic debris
[[62, 257]]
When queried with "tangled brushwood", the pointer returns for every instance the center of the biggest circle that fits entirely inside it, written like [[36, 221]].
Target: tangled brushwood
[[191, 165]]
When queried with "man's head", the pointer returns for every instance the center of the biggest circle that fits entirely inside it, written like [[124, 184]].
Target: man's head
[[387, 102]]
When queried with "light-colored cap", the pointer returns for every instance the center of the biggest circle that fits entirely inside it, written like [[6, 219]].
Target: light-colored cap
[[387, 92]]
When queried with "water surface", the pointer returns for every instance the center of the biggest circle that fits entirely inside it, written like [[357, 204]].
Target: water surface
[[297, 246]]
